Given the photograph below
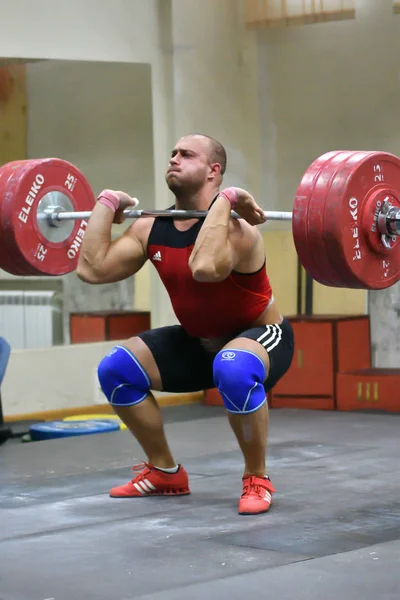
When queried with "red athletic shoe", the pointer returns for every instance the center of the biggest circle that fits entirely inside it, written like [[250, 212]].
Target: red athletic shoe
[[257, 495], [153, 482]]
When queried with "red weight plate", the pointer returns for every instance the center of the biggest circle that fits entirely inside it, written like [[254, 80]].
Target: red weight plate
[[20, 265], [10, 259], [353, 243], [24, 267], [32, 188], [303, 228], [318, 208]]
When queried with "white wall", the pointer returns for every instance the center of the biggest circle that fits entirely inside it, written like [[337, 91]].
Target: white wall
[[106, 30], [97, 116], [325, 87], [53, 378], [215, 83]]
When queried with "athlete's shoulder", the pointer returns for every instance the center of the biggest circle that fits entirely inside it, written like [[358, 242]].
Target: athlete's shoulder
[[141, 229]]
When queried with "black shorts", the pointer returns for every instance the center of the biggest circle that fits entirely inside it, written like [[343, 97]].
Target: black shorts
[[186, 364]]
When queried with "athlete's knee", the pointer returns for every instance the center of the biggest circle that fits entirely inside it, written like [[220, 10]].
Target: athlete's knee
[[239, 376], [122, 378]]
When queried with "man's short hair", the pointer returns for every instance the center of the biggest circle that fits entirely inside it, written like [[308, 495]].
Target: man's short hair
[[217, 151]]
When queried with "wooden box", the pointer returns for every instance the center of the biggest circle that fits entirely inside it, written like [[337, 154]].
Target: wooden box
[[369, 389], [324, 346], [100, 326]]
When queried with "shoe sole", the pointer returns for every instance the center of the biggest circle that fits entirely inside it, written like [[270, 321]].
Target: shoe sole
[[261, 512], [180, 493]]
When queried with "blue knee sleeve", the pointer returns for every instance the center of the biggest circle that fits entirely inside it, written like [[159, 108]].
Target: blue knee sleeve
[[239, 376], [122, 378]]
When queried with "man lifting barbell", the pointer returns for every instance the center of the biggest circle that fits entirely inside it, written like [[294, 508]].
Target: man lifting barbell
[[346, 225], [231, 333]]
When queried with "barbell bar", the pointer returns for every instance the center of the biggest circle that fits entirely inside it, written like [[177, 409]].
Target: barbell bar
[[56, 214], [388, 224], [345, 218]]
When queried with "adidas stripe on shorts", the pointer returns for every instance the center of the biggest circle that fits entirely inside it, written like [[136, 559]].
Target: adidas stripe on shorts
[[278, 341]]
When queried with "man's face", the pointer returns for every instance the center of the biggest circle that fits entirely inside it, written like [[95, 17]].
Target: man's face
[[189, 167]]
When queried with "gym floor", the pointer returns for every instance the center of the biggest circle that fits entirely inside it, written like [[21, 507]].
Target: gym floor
[[333, 532]]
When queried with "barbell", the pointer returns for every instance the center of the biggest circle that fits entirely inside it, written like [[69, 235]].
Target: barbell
[[345, 219]]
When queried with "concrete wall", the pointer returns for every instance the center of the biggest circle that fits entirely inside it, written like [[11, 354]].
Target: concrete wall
[[328, 87], [384, 308], [215, 83]]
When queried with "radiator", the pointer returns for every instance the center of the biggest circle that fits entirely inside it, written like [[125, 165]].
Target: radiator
[[29, 319]]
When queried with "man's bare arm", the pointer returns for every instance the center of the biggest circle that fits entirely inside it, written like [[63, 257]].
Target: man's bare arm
[[104, 261], [222, 243], [212, 257]]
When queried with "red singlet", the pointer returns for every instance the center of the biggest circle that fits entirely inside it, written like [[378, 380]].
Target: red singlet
[[206, 310]]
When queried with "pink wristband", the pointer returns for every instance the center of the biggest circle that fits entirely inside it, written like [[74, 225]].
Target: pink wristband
[[230, 196], [110, 199]]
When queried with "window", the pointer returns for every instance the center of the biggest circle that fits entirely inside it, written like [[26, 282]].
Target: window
[[270, 13]]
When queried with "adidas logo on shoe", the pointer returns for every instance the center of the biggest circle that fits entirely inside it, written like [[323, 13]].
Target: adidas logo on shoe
[[157, 256]]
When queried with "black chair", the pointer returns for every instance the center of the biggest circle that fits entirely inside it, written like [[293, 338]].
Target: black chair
[[5, 432]]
